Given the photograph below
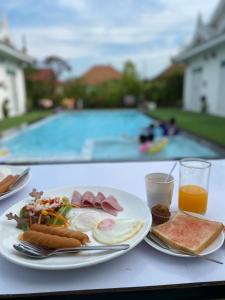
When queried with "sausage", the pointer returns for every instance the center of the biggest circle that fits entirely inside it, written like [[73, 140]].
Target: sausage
[[6, 182], [49, 240], [63, 232]]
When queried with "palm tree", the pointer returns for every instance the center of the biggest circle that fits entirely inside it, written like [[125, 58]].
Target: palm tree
[[58, 64]]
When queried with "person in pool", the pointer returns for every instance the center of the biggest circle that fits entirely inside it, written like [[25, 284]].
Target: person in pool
[[172, 127], [145, 142], [164, 128], [148, 132], [169, 128]]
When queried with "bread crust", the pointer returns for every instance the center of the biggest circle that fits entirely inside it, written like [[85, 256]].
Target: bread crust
[[211, 238]]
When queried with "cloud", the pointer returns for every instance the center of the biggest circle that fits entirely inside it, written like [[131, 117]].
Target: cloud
[[78, 5], [97, 31]]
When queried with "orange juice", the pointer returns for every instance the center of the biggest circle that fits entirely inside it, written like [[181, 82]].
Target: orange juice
[[193, 198]]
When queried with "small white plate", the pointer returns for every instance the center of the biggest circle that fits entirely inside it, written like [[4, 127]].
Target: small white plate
[[134, 208], [210, 249], [13, 170]]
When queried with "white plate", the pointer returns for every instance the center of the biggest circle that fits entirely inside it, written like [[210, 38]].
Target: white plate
[[13, 170], [210, 249], [134, 208]]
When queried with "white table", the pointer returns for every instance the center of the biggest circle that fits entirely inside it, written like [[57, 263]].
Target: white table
[[141, 267]]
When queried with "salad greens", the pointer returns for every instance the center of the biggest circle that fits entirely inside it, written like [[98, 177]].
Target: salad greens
[[48, 211]]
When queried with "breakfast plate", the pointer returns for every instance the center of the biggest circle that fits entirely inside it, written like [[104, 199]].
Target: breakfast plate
[[13, 170], [212, 247], [133, 209]]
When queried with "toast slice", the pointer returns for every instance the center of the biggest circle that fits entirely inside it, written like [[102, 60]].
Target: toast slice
[[188, 233]]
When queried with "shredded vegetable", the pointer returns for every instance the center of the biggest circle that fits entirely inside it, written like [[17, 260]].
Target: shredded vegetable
[[51, 211]]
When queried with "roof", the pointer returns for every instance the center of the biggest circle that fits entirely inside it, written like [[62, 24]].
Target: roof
[[45, 74], [12, 52], [185, 55], [99, 74], [206, 35], [172, 69]]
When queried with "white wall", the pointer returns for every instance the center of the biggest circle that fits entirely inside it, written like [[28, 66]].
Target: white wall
[[220, 90], [210, 62], [17, 98], [2, 91]]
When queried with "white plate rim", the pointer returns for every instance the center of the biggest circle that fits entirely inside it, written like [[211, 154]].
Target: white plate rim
[[219, 240], [143, 232], [21, 185]]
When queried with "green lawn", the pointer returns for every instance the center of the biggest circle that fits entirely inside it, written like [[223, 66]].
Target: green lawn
[[206, 126], [26, 118]]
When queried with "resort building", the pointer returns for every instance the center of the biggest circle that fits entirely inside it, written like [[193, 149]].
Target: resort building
[[42, 75], [12, 82], [99, 74], [204, 80]]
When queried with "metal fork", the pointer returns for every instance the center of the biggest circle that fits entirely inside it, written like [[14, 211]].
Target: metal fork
[[39, 252], [160, 243]]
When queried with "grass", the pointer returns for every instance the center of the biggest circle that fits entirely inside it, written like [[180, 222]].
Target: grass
[[28, 118], [206, 126]]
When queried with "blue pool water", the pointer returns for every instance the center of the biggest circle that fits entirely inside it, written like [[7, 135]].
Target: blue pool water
[[94, 135]]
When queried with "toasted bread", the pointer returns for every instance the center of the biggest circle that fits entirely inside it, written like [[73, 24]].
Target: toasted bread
[[188, 233]]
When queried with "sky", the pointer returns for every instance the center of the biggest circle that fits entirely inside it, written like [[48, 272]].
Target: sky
[[93, 32]]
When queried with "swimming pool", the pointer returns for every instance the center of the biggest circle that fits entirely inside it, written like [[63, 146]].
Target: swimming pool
[[94, 135]]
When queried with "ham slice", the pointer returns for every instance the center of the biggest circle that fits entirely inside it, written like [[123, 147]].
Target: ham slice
[[98, 200], [87, 199], [111, 205], [76, 198]]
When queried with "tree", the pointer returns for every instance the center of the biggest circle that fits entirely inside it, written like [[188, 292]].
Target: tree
[[166, 89], [58, 64], [129, 71], [130, 80], [37, 89], [75, 88]]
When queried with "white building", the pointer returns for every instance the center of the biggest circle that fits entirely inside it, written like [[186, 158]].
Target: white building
[[12, 83], [205, 65]]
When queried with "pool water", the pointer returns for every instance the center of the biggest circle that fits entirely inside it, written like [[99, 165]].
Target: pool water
[[95, 135]]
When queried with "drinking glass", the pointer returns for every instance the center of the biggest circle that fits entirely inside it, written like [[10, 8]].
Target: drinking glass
[[159, 189], [193, 187]]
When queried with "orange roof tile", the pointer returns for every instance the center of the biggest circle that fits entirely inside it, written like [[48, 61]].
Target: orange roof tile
[[42, 75], [99, 74]]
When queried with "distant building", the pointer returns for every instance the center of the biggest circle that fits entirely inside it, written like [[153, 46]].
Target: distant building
[[12, 83], [204, 81], [44, 74], [48, 77], [99, 74]]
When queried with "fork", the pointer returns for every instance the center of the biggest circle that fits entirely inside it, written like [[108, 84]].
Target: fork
[[162, 244], [34, 251]]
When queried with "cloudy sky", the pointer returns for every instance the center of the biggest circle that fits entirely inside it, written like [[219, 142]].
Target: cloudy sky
[[88, 32]]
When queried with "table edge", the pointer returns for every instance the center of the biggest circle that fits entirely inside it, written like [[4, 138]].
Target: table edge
[[118, 290]]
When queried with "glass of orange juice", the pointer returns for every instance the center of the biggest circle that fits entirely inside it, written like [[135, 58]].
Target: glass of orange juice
[[194, 182]]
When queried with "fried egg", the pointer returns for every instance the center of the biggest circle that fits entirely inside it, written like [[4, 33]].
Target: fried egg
[[111, 231], [85, 221]]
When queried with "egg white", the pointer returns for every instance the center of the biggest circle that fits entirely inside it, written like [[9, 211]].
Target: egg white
[[85, 221], [122, 230]]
